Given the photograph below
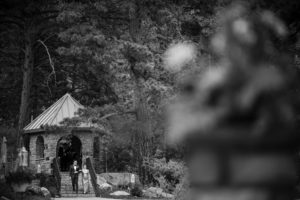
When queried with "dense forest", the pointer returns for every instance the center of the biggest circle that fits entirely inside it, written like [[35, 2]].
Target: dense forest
[[108, 54]]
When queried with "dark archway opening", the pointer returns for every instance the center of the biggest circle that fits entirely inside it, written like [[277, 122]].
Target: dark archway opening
[[68, 150]]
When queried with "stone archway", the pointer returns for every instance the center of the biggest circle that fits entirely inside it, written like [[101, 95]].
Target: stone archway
[[68, 149]]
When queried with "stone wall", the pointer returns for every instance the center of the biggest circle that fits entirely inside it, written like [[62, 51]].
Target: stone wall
[[51, 139]]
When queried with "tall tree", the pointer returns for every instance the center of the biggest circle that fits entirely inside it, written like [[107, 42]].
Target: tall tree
[[31, 21]]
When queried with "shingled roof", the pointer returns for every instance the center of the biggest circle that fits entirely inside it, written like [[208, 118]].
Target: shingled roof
[[65, 107]]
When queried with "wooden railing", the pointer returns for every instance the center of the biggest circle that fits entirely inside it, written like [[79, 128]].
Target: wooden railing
[[56, 173], [93, 175]]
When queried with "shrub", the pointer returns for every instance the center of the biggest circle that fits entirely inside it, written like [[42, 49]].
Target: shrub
[[181, 189], [105, 192], [48, 181], [136, 191], [6, 191], [166, 174], [20, 176], [163, 183]]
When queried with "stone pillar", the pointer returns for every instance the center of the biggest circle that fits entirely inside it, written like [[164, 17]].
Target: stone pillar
[[236, 121], [87, 144]]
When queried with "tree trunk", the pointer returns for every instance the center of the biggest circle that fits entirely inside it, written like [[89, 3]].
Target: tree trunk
[[135, 22], [143, 127], [142, 112], [27, 79]]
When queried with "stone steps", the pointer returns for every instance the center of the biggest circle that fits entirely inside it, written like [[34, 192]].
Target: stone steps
[[67, 189]]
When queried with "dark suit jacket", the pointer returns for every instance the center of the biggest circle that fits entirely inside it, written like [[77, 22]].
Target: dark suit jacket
[[74, 172]]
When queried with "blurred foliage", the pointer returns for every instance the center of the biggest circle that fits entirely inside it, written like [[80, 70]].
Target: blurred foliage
[[247, 90], [181, 190], [6, 191]]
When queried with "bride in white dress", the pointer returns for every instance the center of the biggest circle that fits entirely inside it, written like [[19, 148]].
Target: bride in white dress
[[85, 179]]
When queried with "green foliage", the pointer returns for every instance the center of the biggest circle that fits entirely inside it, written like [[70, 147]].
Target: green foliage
[[166, 174], [10, 134], [86, 42], [120, 157], [6, 191], [48, 181], [22, 175], [91, 46], [136, 191], [105, 193], [180, 192], [71, 122]]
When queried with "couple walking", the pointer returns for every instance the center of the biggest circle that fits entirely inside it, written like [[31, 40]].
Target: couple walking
[[74, 173]]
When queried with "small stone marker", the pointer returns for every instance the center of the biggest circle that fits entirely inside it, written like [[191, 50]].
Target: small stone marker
[[132, 179]]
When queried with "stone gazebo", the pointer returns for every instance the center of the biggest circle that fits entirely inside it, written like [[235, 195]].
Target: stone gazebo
[[48, 139]]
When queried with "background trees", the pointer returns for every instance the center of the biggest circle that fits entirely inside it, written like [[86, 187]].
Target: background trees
[[109, 55], [26, 24]]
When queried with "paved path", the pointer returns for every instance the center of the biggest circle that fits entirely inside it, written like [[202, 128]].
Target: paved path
[[83, 198], [97, 198]]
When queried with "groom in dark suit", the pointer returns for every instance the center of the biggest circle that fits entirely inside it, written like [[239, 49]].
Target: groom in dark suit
[[74, 171]]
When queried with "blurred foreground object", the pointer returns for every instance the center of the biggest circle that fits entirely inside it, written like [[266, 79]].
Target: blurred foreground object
[[3, 154], [236, 121], [3, 158], [178, 55]]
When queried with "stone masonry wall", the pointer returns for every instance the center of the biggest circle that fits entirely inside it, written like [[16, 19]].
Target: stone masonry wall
[[50, 140]]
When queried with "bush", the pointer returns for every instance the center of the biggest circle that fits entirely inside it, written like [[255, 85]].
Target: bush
[[48, 181], [45, 180], [181, 189], [166, 174], [105, 192], [6, 191], [136, 191], [163, 183], [20, 176], [36, 193]]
